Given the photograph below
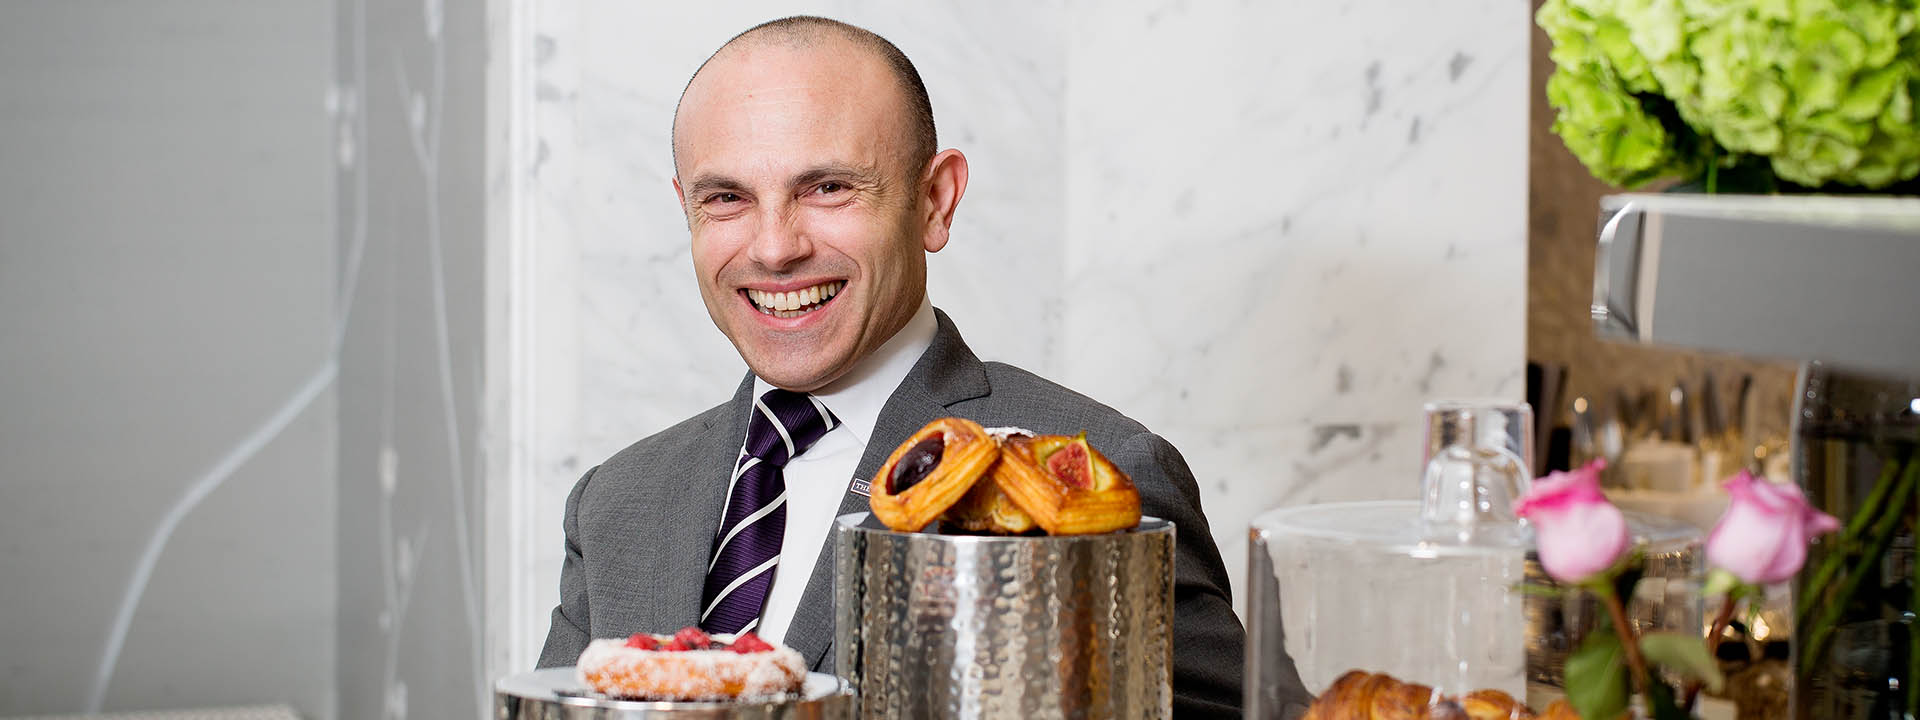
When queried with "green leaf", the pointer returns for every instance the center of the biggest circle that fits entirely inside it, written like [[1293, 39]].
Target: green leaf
[[1597, 677], [1660, 697], [1684, 653], [1720, 581]]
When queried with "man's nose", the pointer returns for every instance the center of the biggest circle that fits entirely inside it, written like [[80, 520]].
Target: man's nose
[[779, 244]]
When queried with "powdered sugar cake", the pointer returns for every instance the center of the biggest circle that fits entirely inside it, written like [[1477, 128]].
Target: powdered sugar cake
[[691, 666]]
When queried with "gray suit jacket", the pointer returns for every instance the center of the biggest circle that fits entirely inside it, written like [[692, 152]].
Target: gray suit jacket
[[641, 525]]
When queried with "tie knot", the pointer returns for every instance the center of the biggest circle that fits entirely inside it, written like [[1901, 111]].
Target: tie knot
[[785, 423]]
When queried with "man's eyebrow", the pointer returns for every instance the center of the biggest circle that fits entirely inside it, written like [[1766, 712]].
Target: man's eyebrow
[[705, 184], [709, 183], [864, 176]]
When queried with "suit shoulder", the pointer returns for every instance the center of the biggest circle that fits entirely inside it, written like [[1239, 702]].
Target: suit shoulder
[[1166, 483], [670, 446], [1058, 408]]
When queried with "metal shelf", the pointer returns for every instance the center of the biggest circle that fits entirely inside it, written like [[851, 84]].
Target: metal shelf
[[1835, 279]]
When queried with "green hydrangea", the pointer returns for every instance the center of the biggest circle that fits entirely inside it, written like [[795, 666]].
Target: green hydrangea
[[1823, 90]]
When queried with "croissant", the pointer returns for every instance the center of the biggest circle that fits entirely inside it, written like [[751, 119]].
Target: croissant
[[1068, 487], [929, 472], [1361, 695]]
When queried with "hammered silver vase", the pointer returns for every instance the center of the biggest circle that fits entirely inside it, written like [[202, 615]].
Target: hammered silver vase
[[954, 626]]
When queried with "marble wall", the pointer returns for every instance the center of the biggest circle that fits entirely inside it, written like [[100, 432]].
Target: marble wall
[[1267, 231], [1291, 225]]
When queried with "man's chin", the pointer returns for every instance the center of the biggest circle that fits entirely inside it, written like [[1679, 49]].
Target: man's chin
[[794, 383], [797, 378], [798, 361]]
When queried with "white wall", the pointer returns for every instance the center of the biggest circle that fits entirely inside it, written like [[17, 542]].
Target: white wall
[[1268, 232]]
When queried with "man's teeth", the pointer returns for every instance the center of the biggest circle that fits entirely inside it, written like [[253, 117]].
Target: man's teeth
[[794, 303]]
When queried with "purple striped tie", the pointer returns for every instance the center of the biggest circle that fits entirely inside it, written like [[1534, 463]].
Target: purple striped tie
[[785, 424]]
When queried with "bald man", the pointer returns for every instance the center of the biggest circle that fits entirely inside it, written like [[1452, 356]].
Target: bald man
[[805, 161]]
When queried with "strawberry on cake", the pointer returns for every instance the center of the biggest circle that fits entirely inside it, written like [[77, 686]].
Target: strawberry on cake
[[691, 665]]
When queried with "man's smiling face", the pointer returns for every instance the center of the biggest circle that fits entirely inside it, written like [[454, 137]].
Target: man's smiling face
[[793, 167]]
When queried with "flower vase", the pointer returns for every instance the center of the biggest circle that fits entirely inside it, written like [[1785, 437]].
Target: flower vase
[[1856, 648]]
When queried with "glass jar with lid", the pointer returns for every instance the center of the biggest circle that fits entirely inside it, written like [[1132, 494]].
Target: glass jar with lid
[[1431, 591]]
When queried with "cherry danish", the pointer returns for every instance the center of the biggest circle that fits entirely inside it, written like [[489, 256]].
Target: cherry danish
[[930, 472]]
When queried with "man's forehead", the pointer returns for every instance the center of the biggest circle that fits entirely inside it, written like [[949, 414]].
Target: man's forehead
[[767, 120], [740, 72], [770, 93]]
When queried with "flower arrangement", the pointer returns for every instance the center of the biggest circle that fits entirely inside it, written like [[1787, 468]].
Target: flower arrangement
[[1761, 539], [1813, 92]]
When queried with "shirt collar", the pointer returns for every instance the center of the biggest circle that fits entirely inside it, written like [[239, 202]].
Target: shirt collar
[[857, 397]]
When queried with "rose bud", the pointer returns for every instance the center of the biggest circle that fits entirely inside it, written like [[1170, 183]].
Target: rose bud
[[1580, 534], [1762, 537]]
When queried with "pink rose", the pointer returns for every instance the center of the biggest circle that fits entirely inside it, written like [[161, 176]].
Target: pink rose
[[1580, 534], [1763, 536]]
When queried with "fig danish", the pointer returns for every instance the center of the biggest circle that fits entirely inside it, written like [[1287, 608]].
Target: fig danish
[[930, 472], [1068, 487]]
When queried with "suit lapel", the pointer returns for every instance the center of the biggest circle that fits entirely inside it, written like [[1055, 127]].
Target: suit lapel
[[690, 516], [947, 373]]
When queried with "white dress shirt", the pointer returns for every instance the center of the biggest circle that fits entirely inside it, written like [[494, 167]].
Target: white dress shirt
[[818, 478]]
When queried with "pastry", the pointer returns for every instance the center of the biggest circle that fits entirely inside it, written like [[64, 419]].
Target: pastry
[[1068, 487], [1560, 710], [692, 666], [1493, 705], [1361, 695], [987, 509], [1350, 696], [1395, 699], [930, 472]]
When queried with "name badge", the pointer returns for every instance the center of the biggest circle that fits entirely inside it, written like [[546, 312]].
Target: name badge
[[861, 488]]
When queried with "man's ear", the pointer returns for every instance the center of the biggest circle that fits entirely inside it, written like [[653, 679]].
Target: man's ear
[[681, 194], [945, 182]]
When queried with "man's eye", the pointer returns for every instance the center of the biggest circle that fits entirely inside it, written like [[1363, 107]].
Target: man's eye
[[724, 198], [829, 188]]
